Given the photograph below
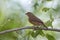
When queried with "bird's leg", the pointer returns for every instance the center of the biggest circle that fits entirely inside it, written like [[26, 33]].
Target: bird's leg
[[36, 27], [40, 26]]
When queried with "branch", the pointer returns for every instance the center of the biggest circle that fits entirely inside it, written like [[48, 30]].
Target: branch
[[28, 27]]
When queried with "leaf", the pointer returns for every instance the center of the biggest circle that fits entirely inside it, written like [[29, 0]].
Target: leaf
[[33, 34], [35, 5], [48, 23], [2, 16], [50, 37], [48, 0], [45, 9], [41, 32], [36, 33], [51, 17]]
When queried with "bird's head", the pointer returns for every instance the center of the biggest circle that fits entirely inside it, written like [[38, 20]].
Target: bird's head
[[29, 14]]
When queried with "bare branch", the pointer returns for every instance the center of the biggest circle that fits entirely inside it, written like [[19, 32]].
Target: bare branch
[[29, 27]]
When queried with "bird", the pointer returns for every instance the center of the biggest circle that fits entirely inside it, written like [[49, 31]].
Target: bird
[[35, 20]]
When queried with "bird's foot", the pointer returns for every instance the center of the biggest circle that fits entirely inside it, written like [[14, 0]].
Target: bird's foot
[[36, 27], [43, 27]]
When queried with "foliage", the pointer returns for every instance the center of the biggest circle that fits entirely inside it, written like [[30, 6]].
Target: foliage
[[12, 15], [50, 37], [36, 33]]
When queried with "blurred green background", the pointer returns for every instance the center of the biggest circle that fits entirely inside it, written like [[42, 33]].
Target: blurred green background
[[12, 15]]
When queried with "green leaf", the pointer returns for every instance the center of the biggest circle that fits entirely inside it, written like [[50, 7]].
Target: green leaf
[[48, 23], [35, 5], [45, 9], [36, 33], [9, 36], [50, 37], [41, 32], [48, 0], [51, 17], [33, 34]]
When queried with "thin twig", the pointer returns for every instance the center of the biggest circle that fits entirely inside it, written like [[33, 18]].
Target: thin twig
[[28, 27]]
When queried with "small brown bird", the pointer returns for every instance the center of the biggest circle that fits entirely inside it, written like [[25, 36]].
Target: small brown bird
[[34, 20]]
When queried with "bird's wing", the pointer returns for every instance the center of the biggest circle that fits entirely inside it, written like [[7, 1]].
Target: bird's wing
[[37, 20]]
